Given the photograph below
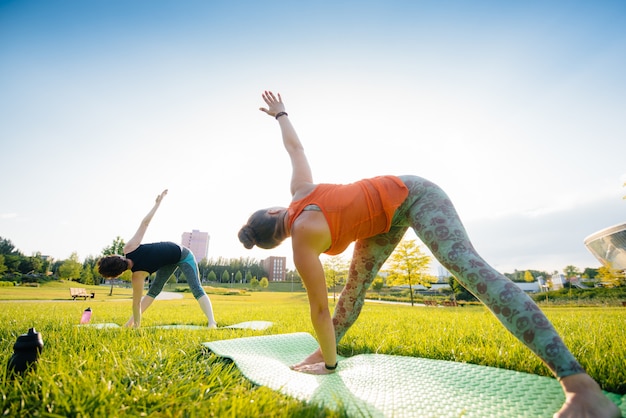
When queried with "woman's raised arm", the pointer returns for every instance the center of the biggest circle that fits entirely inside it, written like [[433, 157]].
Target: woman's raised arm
[[134, 242], [301, 176]]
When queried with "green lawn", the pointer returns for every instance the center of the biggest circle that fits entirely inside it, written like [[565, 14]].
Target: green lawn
[[165, 372]]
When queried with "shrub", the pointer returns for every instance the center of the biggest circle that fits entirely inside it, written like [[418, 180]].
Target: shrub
[[30, 284], [597, 295]]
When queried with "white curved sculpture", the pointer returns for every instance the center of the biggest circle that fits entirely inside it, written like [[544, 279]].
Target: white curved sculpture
[[609, 246]]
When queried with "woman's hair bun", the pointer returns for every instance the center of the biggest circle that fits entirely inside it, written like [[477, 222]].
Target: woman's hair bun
[[246, 236]]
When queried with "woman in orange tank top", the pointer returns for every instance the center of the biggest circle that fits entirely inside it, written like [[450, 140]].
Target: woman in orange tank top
[[375, 214]]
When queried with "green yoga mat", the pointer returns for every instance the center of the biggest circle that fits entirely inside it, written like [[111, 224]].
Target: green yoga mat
[[378, 385]]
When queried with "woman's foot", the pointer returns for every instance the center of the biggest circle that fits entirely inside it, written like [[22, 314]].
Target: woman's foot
[[584, 398], [213, 325], [316, 357]]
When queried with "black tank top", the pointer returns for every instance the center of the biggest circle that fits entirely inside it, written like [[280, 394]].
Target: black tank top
[[151, 257]]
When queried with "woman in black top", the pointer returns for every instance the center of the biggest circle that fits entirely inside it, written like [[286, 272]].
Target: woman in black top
[[162, 258]]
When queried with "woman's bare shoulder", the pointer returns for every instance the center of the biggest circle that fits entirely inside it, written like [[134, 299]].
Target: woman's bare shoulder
[[303, 191], [311, 230]]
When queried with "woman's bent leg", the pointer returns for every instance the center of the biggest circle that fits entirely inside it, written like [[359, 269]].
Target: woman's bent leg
[[368, 257], [161, 277]]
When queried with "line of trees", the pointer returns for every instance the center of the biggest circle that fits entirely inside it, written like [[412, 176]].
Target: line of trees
[[407, 265], [16, 267]]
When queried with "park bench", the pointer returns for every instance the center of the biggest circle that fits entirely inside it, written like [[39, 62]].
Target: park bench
[[443, 303], [79, 292]]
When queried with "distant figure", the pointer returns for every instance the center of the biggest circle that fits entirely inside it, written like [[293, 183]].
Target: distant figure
[[162, 258], [375, 213]]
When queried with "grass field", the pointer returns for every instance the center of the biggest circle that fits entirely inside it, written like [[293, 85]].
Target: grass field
[[166, 372]]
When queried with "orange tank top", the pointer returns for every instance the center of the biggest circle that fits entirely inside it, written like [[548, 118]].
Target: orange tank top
[[356, 210]]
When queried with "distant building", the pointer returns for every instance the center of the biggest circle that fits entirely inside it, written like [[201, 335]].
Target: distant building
[[529, 287], [197, 242], [558, 281], [275, 268], [442, 274]]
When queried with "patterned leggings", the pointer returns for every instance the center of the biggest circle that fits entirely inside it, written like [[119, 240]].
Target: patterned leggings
[[430, 213], [188, 266]]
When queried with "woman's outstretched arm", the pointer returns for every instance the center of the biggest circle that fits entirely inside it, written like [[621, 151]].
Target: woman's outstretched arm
[[306, 259], [135, 241], [301, 176]]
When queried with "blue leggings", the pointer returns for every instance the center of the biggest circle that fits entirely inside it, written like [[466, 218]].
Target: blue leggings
[[430, 213], [188, 266]]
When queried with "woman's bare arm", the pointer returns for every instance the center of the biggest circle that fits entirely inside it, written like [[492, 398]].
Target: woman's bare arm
[[301, 176], [135, 241]]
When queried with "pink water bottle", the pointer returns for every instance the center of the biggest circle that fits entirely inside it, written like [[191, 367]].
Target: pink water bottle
[[86, 316]]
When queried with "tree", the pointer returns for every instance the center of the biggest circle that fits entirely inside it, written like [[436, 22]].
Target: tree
[[264, 282], [238, 277], [7, 247], [528, 277], [520, 276], [12, 261], [93, 277], [590, 273], [460, 292], [117, 247], [70, 268], [203, 269], [612, 276], [12, 257], [225, 277], [212, 277], [254, 283], [336, 272], [571, 271], [293, 276], [3, 267], [407, 265], [29, 265], [377, 284], [86, 276]]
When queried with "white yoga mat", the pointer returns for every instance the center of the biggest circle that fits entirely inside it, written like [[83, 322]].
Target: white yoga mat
[[253, 325]]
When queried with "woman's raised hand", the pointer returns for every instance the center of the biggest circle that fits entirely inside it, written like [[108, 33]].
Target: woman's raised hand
[[274, 104], [161, 196]]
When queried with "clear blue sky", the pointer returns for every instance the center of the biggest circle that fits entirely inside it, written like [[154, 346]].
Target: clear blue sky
[[516, 109]]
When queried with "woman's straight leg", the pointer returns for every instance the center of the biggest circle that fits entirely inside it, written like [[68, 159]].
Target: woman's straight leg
[[436, 222]]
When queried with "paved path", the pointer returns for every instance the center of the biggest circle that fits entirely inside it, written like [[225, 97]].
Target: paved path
[[161, 296], [169, 296]]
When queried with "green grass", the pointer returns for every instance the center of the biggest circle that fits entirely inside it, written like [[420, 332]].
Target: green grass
[[166, 372]]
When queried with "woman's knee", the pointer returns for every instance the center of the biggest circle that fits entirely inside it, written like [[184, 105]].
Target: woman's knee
[[155, 289], [196, 289]]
